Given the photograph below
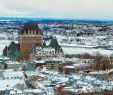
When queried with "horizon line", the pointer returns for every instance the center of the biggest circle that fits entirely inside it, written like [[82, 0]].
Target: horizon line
[[58, 18]]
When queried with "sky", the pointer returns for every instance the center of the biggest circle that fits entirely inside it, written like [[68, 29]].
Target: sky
[[78, 9]]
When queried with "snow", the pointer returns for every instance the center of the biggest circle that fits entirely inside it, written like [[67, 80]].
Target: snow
[[3, 43], [71, 67], [101, 72], [10, 79], [70, 45], [12, 92], [37, 91], [39, 61], [72, 50], [4, 58], [10, 62], [77, 77], [47, 42], [81, 65], [10, 83], [13, 75], [86, 83]]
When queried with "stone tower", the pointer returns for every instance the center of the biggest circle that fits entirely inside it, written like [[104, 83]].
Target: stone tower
[[29, 35]]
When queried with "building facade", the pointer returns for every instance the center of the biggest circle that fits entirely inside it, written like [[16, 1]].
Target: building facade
[[29, 36]]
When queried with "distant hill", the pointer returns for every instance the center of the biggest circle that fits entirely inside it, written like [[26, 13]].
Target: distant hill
[[43, 20]]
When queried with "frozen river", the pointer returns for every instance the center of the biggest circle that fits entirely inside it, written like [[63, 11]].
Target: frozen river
[[92, 51], [67, 50]]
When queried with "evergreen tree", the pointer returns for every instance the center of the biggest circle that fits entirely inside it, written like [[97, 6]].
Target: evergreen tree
[[54, 44], [5, 51], [14, 50], [44, 44], [15, 54]]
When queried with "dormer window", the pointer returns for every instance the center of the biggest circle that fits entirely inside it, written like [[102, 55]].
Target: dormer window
[[31, 26], [29, 32], [34, 31]]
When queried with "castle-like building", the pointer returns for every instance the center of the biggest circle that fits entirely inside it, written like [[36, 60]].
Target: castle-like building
[[29, 36]]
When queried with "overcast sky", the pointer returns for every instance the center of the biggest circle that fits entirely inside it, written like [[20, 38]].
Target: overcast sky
[[81, 9]]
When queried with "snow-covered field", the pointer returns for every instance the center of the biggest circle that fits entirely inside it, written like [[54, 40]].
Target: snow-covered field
[[73, 50], [87, 46]]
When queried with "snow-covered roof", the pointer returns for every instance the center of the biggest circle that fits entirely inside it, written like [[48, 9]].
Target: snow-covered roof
[[37, 91], [70, 67], [10, 74], [10, 62], [39, 61], [10, 84], [4, 58], [81, 64]]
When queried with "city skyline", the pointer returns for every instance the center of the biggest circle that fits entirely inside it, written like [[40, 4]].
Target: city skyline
[[77, 9]]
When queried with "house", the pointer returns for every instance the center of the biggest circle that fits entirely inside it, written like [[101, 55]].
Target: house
[[68, 69], [10, 79], [54, 64], [39, 63], [43, 52], [12, 65]]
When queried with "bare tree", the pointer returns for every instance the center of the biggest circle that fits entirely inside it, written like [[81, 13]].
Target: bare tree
[[101, 62]]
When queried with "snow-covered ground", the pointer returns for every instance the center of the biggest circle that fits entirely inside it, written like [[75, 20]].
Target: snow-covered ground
[[73, 50], [85, 82], [89, 45]]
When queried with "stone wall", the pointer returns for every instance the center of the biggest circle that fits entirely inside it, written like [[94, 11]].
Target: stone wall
[[90, 93]]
